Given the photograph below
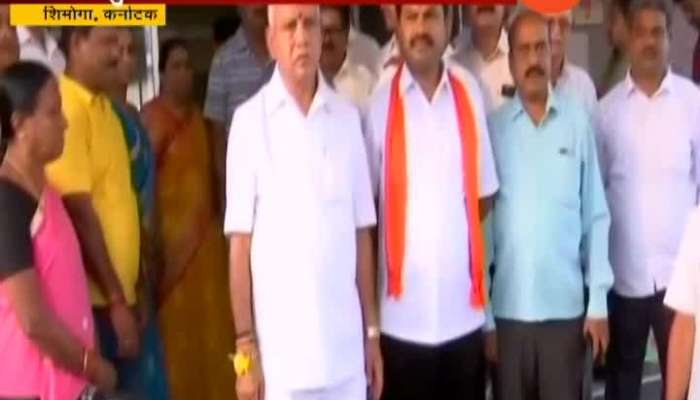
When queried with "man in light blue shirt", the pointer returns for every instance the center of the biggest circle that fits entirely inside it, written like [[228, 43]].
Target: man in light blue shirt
[[551, 224]]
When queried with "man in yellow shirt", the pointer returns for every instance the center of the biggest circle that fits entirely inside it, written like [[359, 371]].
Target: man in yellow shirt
[[94, 176]]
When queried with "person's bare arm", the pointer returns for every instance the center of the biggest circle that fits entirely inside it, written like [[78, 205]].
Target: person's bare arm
[[218, 144], [680, 355], [241, 284], [366, 277], [250, 386], [45, 330], [367, 289], [485, 206], [93, 246], [100, 268]]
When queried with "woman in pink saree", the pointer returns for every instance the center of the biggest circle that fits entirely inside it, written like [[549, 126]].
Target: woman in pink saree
[[46, 329]]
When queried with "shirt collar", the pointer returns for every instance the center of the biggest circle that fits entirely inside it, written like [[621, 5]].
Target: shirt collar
[[80, 90], [408, 83], [239, 42], [665, 87], [552, 108], [277, 95]]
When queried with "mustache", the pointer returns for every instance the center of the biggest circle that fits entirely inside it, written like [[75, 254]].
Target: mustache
[[424, 37], [535, 70], [328, 47]]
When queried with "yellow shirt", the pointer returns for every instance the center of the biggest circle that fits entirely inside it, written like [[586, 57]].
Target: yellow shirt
[[95, 161]]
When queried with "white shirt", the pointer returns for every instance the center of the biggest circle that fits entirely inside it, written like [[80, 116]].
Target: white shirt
[[301, 186], [355, 82], [31, 49], [493, 73], [363, 49], [683, 294], [649, 151], [575, 83], [435, 306]]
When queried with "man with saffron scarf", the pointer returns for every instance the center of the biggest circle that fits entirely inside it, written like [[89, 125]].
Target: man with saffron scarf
[[299, 217], [551, 225], [432, 166]]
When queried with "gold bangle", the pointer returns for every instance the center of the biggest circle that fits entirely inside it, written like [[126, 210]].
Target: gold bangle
[[86, 356]]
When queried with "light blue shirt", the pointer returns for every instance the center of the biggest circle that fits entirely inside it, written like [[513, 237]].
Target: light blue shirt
[[551, 219]]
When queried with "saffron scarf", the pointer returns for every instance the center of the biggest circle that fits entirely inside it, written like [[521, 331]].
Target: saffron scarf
[[396, 188]]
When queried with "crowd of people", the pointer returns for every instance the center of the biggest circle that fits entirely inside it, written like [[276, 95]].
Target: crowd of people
[[448, 215]]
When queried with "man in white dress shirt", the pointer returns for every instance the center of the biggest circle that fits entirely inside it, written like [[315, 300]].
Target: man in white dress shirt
[[569, 79], [420, 124], [649, 139], [36, 44], [349, 78], [485, 53], [299, 216]]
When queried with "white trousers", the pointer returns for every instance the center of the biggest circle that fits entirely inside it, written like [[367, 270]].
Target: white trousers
[[354, 388]]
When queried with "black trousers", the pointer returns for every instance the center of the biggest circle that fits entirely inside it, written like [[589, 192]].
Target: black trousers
[[540, 360], [630, 321], [451, 371]]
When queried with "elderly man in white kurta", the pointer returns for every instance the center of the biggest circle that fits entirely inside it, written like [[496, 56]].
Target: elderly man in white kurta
[[299, 212]]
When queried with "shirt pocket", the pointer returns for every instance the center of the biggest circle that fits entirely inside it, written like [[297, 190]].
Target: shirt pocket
[[673, 154], [563, 177]]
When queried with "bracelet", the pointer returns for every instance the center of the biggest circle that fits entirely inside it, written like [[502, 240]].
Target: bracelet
[[245, 337], [244, 334], [86, 357]]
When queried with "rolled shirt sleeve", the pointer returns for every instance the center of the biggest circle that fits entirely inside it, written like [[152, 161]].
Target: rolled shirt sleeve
[[595, 223], [240, 174], [373, 145], [488, 179], [363, 201], [682, 292]]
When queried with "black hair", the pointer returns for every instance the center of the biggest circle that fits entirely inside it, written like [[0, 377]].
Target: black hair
[[344, 12], [20, 85], [445, 10], [663, 6], [67, 34], [225, 27], [622, 5], [166, 48]]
